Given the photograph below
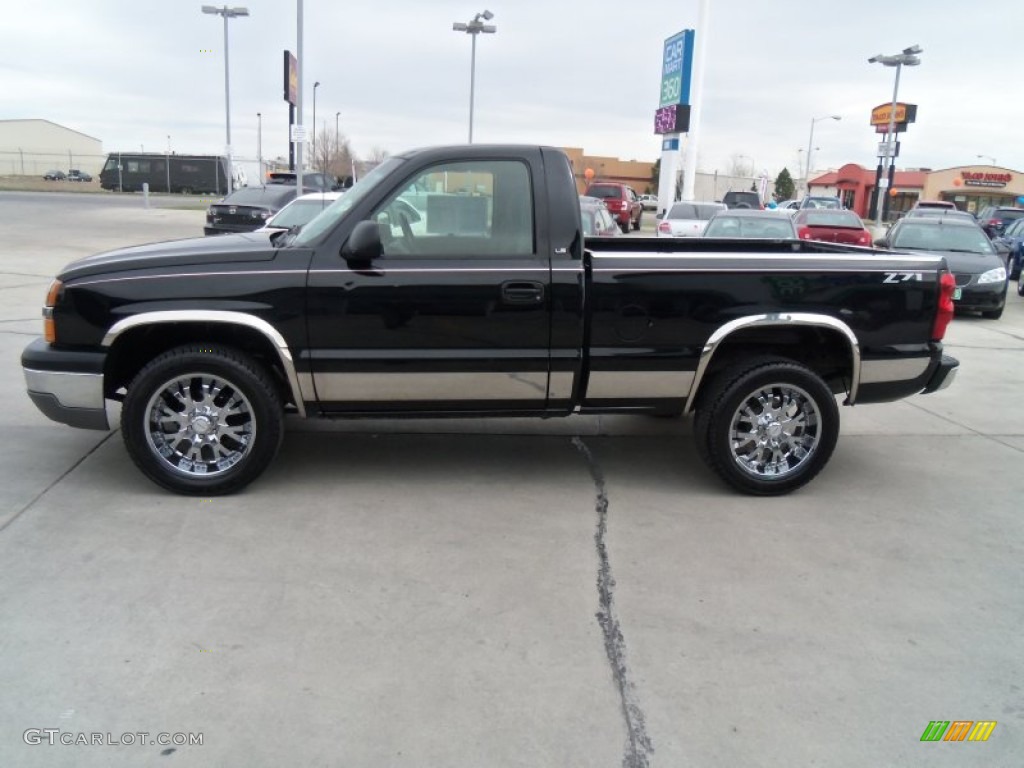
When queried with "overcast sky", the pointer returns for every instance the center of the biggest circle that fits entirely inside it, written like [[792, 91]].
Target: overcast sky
[[584, 74]]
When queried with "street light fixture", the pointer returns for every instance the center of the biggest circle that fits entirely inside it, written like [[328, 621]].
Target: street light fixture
[[987, 157], [908, 58], [315, 86], [474, 28], [259, 144], [811, 148], [227, 13]]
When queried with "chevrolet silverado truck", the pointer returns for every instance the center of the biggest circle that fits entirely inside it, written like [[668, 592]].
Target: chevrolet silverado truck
[[455, 281]]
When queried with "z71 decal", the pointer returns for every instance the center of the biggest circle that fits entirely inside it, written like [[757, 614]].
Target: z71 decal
[[902, 277]]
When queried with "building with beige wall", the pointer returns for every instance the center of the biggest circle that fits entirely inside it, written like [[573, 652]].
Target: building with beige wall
[[972, 187], [33, 147]]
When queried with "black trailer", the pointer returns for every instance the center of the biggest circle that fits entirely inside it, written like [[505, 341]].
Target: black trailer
[[184, 174]]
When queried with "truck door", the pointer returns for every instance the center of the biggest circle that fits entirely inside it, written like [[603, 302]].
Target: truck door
[[455, 316]]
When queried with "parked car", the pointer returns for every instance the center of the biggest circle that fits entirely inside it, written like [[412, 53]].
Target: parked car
[[597, 220], [979, 271], [649, 202], [247, 208], [76, 175], [941, 205], [300, 211], [818, 201], [54, 176], [831, 226], [621, 200], [994, 219], [788, 206], [687, 219], [742, 200], [311, 182], [1013, 240], [751, 224]]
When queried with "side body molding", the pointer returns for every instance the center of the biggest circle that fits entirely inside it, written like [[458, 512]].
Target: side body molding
[[217, 316], [782, 318]]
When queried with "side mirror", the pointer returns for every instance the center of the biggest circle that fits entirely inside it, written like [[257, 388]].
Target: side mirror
[[364, 243]]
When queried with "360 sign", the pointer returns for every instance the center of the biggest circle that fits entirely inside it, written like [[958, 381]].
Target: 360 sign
[[676, 68]]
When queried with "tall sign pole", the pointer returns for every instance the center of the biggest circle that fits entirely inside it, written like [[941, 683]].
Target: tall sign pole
[[672, 116], [690, 160]]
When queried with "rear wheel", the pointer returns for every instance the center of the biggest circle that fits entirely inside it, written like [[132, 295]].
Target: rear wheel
[[638, 217], [202, 420], [767, 427]]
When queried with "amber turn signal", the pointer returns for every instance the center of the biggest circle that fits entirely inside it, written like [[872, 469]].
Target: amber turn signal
[[54, 293]]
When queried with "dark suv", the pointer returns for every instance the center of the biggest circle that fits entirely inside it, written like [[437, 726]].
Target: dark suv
[[247, 208], [994, 219], [621, 201], [311, 181], [742, 200]]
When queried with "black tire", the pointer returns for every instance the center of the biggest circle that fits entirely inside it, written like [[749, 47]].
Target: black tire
[[800, 454], [636, 227], [1020, 282], [237, 420], [625, 227], [995, 314]]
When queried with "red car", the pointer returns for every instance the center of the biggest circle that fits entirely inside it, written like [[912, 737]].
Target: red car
[[621, 201], [831, 225]]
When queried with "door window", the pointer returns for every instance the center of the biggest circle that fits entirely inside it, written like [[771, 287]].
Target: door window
[[461, 210]]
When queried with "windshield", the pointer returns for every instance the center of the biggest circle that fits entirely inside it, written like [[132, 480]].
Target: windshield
[[833, 219], [940, 237], [298, 213], [749, 226], [334, 212], [604, 191]]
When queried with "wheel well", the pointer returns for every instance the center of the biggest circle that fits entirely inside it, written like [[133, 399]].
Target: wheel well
[[823, 350], [137, 346]]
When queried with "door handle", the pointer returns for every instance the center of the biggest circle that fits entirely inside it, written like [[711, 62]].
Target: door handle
[[522, 292]]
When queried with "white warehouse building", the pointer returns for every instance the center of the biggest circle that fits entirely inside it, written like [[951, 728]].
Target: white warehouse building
[[33, 147]]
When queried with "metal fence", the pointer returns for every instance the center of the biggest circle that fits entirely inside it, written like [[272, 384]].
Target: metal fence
[[15, 162]]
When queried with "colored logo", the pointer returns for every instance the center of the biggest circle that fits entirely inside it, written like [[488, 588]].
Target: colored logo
[[958, 730]]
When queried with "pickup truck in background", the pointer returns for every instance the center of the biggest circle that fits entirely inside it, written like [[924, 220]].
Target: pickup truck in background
[[456, 282]]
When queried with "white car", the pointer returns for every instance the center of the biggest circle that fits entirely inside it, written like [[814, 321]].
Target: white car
[[649, 202], [300, 211], [688, 219]]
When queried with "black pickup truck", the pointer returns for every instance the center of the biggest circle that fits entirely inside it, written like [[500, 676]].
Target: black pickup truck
[[455, 282]]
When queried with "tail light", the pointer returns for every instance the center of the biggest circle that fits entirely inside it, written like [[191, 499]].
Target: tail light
[[865, 238], [804, 233], [52, 297], [944, 313], [665, 227]]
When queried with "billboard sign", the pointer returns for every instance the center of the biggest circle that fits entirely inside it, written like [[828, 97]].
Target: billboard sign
[[905, 113], [677, 69], [291, 78]]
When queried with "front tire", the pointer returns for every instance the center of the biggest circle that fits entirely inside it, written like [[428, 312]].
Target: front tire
[[202, 420], [636, 227], [1020, 282], [767, 427]]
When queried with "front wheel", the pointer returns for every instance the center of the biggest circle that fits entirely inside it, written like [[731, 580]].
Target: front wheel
[[202, 420], [767, 427], [1020, 282]]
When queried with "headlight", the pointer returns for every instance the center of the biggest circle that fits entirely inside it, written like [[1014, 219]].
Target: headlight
[[997, 275]]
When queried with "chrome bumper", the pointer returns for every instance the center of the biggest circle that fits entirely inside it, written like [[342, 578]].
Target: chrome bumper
[[75, 399]]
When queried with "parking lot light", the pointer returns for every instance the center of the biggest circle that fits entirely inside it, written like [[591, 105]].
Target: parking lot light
[[474, 28], [227, 13], [811, 148]]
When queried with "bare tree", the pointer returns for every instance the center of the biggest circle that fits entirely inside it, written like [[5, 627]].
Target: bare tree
[[738, 166], [332, 154]]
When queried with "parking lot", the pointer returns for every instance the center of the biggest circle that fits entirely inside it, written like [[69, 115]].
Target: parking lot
[[576, 592]]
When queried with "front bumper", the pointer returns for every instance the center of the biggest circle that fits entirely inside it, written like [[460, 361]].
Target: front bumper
[[986, 297], [66, 386]]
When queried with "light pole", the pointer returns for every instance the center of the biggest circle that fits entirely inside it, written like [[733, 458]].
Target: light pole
[[315, 86], [811, 148], [227, 13], [909, 58], [168, 164], [337, 137], [259, 143], [987, 157], [474, 28]]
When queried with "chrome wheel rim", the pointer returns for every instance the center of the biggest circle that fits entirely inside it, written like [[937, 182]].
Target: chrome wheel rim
[[200, 425], [775, 431]]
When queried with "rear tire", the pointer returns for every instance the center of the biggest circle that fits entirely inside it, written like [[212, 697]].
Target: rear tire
[[1020, 282], [767, 427], [202, 420], [636, 227]]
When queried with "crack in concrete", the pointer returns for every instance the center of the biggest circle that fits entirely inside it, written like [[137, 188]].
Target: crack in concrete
[[639, 745]]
